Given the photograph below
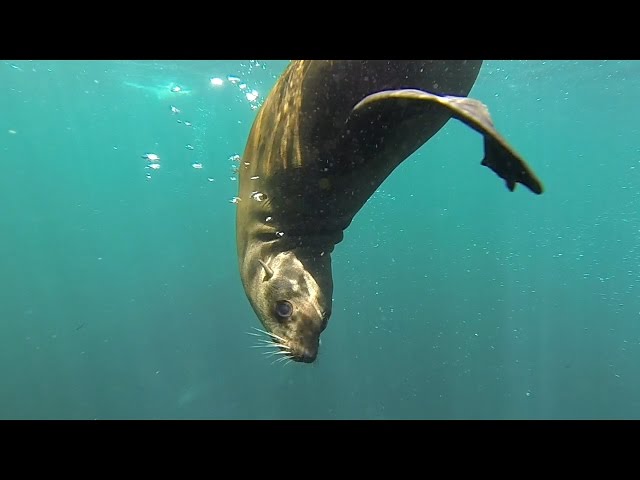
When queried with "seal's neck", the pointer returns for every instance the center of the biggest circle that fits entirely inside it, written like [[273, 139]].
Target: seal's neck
[[310, 244]]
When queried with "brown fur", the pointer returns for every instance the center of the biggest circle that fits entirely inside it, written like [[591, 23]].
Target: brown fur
[[312, 161]]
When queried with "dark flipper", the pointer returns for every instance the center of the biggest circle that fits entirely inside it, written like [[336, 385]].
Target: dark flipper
[[499, 156]]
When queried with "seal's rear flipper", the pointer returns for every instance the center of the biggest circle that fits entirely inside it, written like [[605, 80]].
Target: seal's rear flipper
[[499, 156]]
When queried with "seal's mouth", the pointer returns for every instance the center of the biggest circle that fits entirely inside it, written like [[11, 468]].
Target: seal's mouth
[[304, 356], [297, 353], [301, 349], [286, 349]]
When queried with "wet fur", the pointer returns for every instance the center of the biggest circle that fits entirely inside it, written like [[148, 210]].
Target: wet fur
[[315, 161]]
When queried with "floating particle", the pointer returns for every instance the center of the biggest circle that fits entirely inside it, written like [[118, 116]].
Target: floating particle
[[258, 196], [154, 166], [216, 82], [233, 79], [189, 147], [176, 89], [235, 200], [188, 124], [12, 131], [255, 177], [152, 157], [234, 158], [197, 165], [252, 95], [175, 110]]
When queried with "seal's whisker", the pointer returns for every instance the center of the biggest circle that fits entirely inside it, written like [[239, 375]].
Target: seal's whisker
[[271, 354], [289, 360], [269, 344], [270, 334], [272, 341], [277, 345], [277, 337]]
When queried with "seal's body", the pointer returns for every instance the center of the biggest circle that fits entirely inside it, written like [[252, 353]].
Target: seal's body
[[329, 133]]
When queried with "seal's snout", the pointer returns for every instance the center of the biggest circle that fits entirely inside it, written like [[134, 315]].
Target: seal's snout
[[308, 355], [305, 354]]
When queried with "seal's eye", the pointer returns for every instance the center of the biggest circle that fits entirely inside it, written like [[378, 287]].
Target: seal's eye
[[284, 309]]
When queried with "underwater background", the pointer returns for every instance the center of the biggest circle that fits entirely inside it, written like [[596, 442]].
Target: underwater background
[[454, 298]]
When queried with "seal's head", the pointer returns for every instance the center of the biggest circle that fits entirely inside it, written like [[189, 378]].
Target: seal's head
[[291, 294]]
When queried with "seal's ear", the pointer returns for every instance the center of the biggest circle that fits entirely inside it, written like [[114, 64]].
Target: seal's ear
[[268, 273]]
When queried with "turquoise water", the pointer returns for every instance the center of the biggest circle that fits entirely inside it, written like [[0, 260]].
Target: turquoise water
[[454, 298]]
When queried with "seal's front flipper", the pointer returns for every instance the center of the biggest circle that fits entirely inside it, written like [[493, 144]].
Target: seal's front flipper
[[499, 156]]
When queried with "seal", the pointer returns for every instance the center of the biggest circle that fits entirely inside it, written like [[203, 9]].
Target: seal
[[327, 136]]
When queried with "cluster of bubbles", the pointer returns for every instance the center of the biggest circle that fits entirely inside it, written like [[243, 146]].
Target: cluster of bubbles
[[251, 94], [248, 93], [153, 159], [235, 166]]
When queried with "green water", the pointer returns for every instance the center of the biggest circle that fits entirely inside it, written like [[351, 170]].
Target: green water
[[454, 298]]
